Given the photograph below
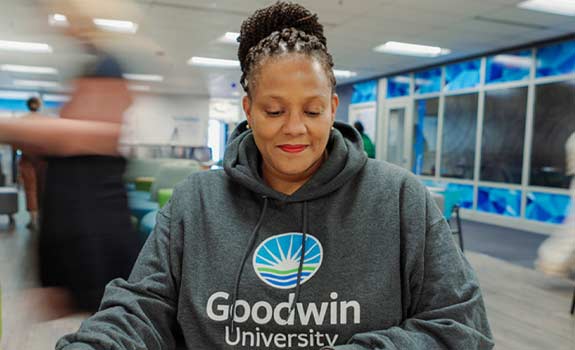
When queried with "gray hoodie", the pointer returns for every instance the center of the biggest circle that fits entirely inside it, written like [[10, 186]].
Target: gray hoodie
[[358, 258]]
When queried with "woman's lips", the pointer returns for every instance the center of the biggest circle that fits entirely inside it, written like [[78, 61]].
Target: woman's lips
[[293, 148]]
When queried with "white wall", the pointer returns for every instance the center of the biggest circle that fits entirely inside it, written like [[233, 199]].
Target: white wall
[[150, 119]]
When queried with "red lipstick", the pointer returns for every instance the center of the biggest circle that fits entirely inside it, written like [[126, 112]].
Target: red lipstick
[[292, 148]]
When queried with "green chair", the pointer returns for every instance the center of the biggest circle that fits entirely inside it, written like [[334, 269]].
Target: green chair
[[144, 183], [164, 196]]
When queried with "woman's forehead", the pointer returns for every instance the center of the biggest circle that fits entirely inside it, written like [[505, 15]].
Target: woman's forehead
[[283, 95], [297, 75]]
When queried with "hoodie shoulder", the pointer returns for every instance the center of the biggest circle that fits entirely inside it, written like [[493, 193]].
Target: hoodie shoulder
[[201, 180], [412, 193], [200, 189], [391, 174], [392, 178]]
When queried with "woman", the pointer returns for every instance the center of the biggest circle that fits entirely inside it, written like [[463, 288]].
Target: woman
[[305, 241]]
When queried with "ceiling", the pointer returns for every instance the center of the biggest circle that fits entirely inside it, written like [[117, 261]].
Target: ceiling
[[171, 31]]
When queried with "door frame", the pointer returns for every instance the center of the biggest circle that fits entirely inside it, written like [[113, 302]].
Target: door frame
[[407, 104]]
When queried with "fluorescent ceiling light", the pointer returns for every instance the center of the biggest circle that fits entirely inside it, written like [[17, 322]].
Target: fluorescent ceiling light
[[344, 73], [398, 48], [111, 25], [116, 25], [36, 83], [213, 62], [140, 88], [144, 77], [17, 95], [557, 7], [28, 69], [513, 61], [58, 20], [25, 46], [229, 38]]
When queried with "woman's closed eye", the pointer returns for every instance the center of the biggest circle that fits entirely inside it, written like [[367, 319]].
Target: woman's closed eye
[[313, 113], [274, 113]]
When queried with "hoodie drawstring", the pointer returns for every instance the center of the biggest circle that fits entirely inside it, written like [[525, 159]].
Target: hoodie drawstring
[[244, 259], [302, 256]]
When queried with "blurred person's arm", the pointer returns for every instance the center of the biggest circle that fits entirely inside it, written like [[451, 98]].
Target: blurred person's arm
[[139, 313], [60, 137], [90, 122]]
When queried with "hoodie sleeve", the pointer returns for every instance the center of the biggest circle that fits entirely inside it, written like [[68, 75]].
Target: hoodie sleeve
[[139, 313], [443, 305]]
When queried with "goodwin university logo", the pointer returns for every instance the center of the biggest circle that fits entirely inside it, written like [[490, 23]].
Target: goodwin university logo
[[276, 260]]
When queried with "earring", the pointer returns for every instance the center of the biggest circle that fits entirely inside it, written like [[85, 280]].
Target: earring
[[332, 128], [248, 126]]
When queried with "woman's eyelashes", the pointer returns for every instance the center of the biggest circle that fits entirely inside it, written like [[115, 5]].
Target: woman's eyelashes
[[274, 113], [277, 113], [313, 113]]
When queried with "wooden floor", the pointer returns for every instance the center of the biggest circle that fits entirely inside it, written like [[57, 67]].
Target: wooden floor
[[527, 310]]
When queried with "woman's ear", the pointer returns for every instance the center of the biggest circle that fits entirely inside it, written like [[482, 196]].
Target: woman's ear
[[334, 105], [246, 104]]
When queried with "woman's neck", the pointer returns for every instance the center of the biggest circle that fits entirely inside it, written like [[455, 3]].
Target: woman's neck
[[289, 184], [284, 185]]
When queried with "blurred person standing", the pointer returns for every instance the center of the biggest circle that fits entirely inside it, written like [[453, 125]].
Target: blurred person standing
[[86, 235], [92, 241], [368, 145], [30, 169], [557, 253]]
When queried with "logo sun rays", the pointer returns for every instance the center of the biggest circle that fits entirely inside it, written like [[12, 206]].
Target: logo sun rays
[[276, 260]]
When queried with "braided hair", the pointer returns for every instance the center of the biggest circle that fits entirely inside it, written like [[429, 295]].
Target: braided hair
[[279, 29]]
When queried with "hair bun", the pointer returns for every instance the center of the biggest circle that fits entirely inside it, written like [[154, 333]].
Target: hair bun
[[275, 18]]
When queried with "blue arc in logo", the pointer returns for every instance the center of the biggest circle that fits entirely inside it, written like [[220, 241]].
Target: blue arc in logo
[[276, 260]]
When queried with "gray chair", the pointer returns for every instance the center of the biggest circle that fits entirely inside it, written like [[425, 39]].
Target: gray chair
[[9, 203], [573, 303]]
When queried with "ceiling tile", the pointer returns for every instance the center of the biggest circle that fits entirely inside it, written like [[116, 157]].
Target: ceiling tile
[[171, 31]]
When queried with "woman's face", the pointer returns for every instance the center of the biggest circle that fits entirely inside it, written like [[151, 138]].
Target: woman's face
[[291, 111]]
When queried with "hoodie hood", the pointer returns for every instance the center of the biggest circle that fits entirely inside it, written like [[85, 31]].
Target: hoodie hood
[[242, 163]]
